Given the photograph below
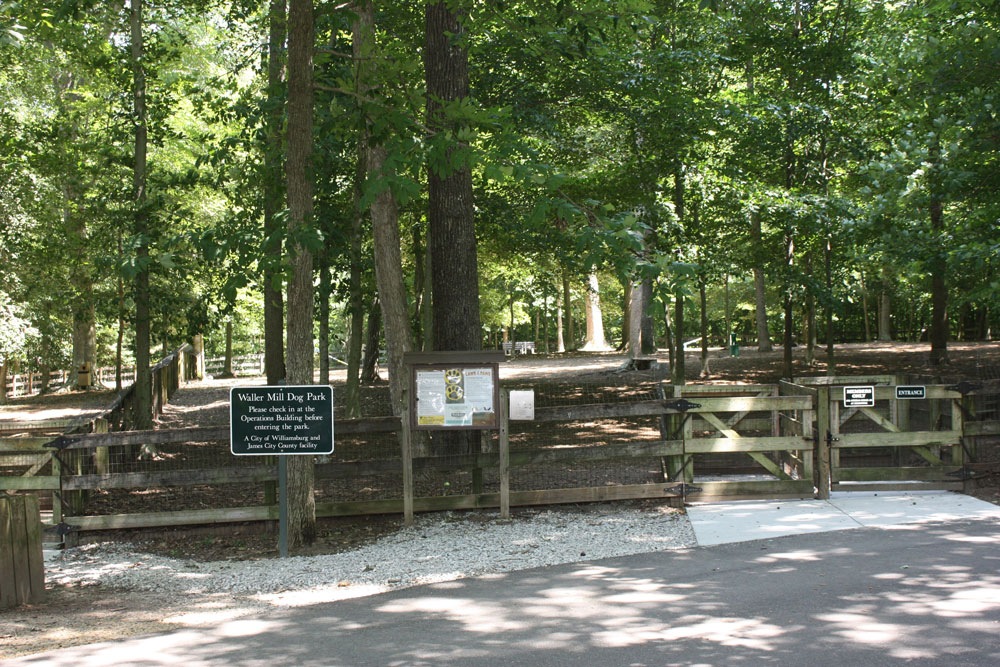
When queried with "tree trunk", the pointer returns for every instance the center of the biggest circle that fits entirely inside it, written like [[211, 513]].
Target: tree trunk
[[864, 309], [884, 314], [595, 320], [704, 326], [831, 360], [369, 368], [810, 317], [545, 320], [121, 329], [355, 301], [143, 405], [324, 319], [648, 344], [567, 314], [3, 381], [227, 363], [626, 313], [939, 287], [789, 336], [419, 278], [635, 322], [301, 503], [678, 367], [385, 222], [198, 343], [560, 341], [760, 291], [729, 321], [455, 275], [274, 306], [389, 275]]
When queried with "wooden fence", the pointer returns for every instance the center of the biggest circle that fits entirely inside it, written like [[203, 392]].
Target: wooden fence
[[243, 365], [29, 384], [33, 449], [785, 440]]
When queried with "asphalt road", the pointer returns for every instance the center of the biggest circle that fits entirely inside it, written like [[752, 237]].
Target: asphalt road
[[925, 594]]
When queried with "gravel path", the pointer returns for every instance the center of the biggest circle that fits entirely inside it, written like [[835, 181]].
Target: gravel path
[[436, 548]]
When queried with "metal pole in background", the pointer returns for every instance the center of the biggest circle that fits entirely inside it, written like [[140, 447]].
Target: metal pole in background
[[283, 506]]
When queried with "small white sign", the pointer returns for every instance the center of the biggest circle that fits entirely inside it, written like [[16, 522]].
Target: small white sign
[[522, 405], [859, 397]]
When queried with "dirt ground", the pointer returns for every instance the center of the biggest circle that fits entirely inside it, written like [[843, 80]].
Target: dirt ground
[[79, 615]]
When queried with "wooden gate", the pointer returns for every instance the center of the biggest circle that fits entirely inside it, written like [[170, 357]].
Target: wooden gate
[[911, 438], [743, 422]]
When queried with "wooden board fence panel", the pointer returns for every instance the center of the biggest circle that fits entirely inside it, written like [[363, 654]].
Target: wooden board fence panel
[[22, 576]]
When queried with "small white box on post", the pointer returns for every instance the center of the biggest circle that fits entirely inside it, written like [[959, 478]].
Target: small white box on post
[[522, 405]]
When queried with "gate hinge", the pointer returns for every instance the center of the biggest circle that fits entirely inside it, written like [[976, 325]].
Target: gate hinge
[[681, 405], [964, 387], [60, 443], [683, 489]]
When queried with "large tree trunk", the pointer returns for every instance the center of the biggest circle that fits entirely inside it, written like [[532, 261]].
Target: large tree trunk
[[452, 234], [143, 405], [385, 222], [301, 503], [274, 305], [389, 275], [595, 320]]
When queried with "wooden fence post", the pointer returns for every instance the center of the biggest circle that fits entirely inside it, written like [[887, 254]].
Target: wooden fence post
[[406, 456], [504, 456], [102, 455], [823, 433]]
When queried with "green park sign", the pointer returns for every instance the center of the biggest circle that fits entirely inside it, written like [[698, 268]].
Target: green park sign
[[271, 420]]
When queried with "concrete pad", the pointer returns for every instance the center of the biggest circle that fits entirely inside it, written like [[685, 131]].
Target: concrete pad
[[744, 520], [890, 509], [740, 521]]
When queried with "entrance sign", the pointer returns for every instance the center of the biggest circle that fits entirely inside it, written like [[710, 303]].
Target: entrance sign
[[911, 391], [454, 390], [859, 397], [270, 420]]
